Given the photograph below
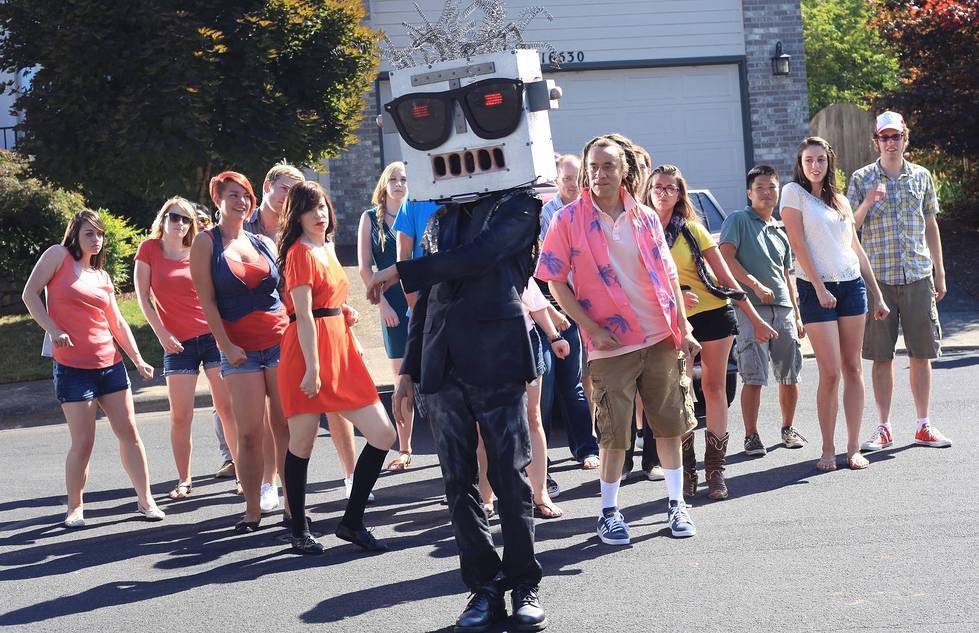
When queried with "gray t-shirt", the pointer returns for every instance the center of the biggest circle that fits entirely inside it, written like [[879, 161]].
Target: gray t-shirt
[[762, 250]]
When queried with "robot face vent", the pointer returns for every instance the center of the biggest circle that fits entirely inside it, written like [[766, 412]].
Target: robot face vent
[[469, 162]]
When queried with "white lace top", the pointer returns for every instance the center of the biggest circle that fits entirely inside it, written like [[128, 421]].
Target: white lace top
[[829, 239]]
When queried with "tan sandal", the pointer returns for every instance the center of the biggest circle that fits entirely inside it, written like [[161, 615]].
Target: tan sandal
[[547, 510], [181, 491], [400, 463]]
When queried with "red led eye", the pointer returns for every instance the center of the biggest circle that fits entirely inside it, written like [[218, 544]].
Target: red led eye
[[492, 99], [420, 111]]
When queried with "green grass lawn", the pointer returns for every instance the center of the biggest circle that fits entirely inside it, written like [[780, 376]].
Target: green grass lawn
[[20, 344]]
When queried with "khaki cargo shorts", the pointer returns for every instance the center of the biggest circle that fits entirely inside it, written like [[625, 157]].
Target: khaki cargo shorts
[[659, 375], [913, 306]]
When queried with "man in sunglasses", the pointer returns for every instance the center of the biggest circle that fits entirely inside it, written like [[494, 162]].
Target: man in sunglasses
[[895, 206]]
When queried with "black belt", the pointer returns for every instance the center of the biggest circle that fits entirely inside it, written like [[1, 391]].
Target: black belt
[[320, 312]]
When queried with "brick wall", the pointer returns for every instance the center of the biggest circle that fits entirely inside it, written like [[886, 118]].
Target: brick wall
[[779, 106], [354, 172]]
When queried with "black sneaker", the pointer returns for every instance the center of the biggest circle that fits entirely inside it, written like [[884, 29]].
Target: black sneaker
[[307, 545], [361, 538], [528, 615], [753, 445]]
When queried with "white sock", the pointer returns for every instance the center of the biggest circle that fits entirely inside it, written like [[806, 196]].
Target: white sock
[[922, 422], [674, 483], [610, 494]]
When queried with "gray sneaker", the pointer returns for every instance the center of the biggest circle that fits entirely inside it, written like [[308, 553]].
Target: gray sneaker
[[681, 526], [553, 490], [655, 473], [791, 438], [753, 445]]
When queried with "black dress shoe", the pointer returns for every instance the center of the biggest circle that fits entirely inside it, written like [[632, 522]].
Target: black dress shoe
[[486, 607], [306, 544], [360, 537], [528, 615]]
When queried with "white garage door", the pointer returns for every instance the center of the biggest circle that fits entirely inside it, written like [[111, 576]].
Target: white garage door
[[688, 116]]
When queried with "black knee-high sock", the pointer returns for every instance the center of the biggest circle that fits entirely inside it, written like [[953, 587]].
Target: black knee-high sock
[[295, 476], [365, 476]]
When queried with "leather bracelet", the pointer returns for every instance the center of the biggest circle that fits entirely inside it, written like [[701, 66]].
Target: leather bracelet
[[555, 339]]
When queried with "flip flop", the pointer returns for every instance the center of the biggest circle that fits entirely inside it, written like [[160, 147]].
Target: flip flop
[[400, 463], [591, 462], [181, 491], [857, 462], [826, 465], [547, 511]]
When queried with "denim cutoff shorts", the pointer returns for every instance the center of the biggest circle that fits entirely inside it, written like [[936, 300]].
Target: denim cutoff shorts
[[72, 384], [851, 300], [255, 362], [201, 350]]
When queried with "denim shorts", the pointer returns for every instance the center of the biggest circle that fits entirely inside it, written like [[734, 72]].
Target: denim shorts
[[202, 350], [72, 384], [851, 300], [255, 362]]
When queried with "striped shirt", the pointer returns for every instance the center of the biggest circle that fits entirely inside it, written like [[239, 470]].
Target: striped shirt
[[893, 233]]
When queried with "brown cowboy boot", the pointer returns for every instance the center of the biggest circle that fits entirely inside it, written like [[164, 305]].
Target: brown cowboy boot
[[714, 465], [689, 467]]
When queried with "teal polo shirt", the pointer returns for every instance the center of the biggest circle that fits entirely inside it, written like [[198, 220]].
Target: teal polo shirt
[[762, 250]]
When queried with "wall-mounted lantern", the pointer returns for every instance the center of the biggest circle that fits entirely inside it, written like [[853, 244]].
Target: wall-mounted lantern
[[780, 63]]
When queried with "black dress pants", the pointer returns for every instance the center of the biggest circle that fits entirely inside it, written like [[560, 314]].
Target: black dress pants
[[501, 411]]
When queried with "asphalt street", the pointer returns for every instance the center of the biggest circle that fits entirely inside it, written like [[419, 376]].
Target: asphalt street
[[889, 548]]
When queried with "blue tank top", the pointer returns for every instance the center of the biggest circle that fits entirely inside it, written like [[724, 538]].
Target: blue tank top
[[234, 298]]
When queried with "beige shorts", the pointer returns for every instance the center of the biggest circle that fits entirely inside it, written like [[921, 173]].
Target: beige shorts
[[913, 306], [659, 375]]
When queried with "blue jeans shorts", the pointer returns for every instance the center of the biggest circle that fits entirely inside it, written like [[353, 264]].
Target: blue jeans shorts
[[851, 300], [72, 384], [202, 350], [255, 362]]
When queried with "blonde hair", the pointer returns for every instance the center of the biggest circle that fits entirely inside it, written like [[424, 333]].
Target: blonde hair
[[380, 197], [156, 230], [284, 169]]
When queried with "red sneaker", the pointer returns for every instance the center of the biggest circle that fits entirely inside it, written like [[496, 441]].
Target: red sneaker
[[880, 439], [928, 435]]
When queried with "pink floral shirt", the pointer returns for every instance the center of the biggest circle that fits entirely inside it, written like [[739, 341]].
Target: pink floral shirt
[[575, 243]]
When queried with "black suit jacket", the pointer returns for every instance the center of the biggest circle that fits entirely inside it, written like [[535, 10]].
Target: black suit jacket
[[468, 313]]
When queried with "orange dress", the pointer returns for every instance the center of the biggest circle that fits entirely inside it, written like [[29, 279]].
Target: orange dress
[[345, 382]]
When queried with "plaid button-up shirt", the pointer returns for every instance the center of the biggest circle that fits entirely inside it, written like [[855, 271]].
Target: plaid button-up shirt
[[893, 233]]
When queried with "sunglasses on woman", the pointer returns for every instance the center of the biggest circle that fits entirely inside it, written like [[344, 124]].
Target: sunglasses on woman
[[179, 217], [491, 106]]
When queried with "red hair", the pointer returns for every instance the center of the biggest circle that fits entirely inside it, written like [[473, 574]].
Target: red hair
[[216, 186]]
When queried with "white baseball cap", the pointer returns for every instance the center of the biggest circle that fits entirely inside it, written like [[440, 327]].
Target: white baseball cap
[[889, 121]]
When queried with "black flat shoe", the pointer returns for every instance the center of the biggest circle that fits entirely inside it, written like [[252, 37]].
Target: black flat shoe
[[361, 538], [528, 615], [245, 527], [306, 544], [486, 607]]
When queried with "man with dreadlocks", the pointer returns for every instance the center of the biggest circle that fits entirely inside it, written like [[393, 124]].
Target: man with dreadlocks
[[628, 303], [475, 130]]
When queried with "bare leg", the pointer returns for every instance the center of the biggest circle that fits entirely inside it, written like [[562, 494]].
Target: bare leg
[[920, 385], [248, 401], [883, 379], [404, 430], [485, 490], [750, 403], [788, 397], [342, 434], [851, 343], [118, 407], [222, 404], [278, 426], [713, 362], [612, 460], [825, 340], [181, 390], [537, 469], [81, 425], [669, 451], [268, 449]]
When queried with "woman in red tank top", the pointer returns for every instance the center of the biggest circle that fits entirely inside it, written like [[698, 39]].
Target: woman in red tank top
[[84, 323], [169, 302], [247, 337]]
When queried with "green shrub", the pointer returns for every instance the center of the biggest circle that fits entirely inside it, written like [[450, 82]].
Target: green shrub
[[34, 214], [956, 184]]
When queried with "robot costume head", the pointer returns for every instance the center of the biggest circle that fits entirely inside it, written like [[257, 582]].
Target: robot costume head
[[472, 113]]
